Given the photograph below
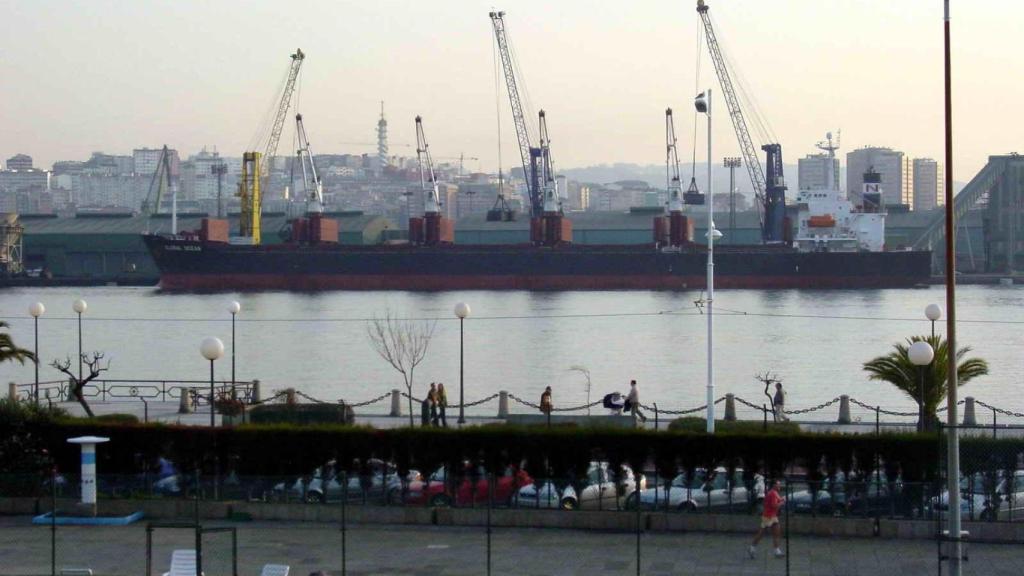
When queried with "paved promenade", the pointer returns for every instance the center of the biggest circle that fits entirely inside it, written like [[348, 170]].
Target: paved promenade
[[451, 551]]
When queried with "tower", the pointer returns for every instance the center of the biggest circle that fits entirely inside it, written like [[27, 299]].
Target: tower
[[382, 140]]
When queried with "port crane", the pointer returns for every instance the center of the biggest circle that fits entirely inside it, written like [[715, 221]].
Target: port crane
[[528, 154], [673, 184], [431, 197], [769, 184], [552, 202], [311, 182], [256, 165], [158, 185]]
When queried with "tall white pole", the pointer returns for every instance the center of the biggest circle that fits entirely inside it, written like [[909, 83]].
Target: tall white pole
[[709, 198]]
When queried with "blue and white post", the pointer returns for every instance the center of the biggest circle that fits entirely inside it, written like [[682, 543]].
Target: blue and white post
[[88, 444]]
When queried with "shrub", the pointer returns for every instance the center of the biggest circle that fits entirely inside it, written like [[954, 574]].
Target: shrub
[[116, 418], [698, 424], [302, 414]]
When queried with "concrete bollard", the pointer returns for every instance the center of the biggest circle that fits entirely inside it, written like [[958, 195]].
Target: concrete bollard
[[969, 418], [730, 407], [12, 391], [502, 404], [396, 403], [185, 402], [256, 391], [844, 410]]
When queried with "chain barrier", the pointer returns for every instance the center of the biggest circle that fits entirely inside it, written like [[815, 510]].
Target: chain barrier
[[880, 411], [813, 408], [524, 402], [271, 399], [700, 408], [366, 403], [944, 408], [999, 410], [467, 405]]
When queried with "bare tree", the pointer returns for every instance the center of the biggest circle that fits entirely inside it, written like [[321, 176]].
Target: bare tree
[[769, 379], [402, 343], [77, 385]]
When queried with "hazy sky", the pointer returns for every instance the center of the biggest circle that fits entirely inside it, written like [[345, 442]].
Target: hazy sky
[[114, 75]]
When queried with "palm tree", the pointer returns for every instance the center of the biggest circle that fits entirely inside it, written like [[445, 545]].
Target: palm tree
[[897, 369], [10, 351]]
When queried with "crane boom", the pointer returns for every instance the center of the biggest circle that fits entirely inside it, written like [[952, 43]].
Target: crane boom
[[527, 153], [739, 123], [549, 185], [673, 185], [282, 112], [428, 184], [314, 193]]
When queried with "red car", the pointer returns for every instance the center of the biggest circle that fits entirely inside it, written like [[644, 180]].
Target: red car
[[435, 491]]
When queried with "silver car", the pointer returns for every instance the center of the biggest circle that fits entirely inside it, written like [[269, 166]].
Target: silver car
[[601, 490], [703, 491]]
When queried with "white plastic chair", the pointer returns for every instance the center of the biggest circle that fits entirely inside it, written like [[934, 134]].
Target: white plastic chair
[[183, 563], [275, 570]]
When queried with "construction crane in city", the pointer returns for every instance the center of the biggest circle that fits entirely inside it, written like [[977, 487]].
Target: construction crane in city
[[769, 185], [311, 183], [529, 155], [159, 184]]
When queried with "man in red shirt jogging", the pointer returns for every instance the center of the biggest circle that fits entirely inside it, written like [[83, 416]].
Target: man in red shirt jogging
[[770, 519]]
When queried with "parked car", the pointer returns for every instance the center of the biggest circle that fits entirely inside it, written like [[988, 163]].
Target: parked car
[[601, 489], [830, 498], [986, 498], [713, 491], [475, 486], [374, 483]]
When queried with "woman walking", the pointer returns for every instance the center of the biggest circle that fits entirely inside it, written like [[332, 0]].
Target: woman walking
[[442, 403]]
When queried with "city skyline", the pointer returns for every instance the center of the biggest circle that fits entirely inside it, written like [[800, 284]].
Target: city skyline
[[604, 97]]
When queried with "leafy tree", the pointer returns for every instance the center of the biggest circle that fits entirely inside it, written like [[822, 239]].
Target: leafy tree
[[897, 369], [9, 351]]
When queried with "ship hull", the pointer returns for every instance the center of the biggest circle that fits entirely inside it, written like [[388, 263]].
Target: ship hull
[[190, 265]]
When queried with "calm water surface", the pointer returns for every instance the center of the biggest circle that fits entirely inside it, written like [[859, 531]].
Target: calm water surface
[[522, 341]]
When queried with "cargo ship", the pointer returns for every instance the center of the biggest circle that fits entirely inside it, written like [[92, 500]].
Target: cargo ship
[[189, 263]]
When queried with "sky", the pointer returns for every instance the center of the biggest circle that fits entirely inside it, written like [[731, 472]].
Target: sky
[[83, 76]]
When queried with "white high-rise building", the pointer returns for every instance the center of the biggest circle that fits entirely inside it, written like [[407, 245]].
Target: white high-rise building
[[812, 170], [927, 184], [895, 167]]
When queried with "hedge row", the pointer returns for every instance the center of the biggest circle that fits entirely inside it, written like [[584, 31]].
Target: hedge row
[[562, 452]]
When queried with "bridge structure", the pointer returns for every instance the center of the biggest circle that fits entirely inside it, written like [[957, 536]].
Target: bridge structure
[[997, 191]]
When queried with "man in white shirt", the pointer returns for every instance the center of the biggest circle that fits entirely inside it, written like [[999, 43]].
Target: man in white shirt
[[633, 402]]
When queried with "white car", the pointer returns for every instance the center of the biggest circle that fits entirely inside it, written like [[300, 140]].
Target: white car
[[380, 482], [601, 490], [716, 491], [980, 500]]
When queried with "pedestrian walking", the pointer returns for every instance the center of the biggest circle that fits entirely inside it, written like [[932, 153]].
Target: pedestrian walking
[[442, 403], [546, 403], [779, 403], [432, 397], [770, 520], [632, 404]]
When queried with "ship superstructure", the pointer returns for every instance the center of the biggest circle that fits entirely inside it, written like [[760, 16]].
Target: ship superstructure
[[827, 221]]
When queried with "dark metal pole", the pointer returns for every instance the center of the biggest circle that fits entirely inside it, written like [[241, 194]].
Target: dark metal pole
[[53, 522], [199, 532], [953, 447], [636, 490], [212, 424], [344, 525], [35, 393], [462, 398], [920, 399], [490, 502]]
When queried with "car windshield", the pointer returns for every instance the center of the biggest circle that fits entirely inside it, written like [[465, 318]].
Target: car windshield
[[681, 482]]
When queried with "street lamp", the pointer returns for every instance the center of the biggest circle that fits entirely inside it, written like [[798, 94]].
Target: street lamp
[[462, 311], [933, 312], [79, 306], [36, 310], [703, 105], [211, 348], [921, 355], [234, 308]]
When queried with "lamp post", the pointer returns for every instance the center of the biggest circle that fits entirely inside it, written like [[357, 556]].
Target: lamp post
[[703, 104], [462, 311], [36, 310], [211, 348], [921, 355], [933, 313], [234, 308], [79, 306]]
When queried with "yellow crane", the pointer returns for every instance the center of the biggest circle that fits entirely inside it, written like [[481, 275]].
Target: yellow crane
[[256, 165]]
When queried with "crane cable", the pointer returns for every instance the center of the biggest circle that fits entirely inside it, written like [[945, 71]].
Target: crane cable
[[497, 109], [696, 90]]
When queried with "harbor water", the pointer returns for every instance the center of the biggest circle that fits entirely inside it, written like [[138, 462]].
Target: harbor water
[[814, 341]]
